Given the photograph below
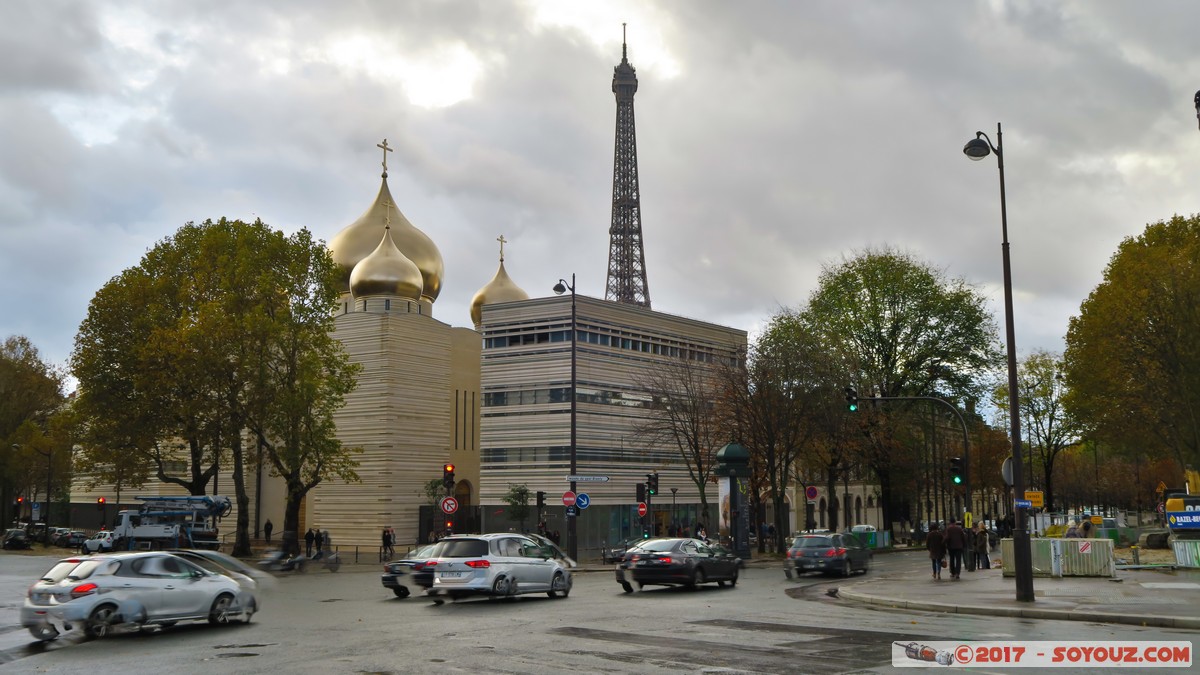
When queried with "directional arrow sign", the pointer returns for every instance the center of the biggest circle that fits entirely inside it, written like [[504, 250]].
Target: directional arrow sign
[[1024, 504], [587, 479], [582, 500]]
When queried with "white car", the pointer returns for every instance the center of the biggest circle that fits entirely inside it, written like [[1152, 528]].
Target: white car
[[101, 542], [497, 565], [106, 591]]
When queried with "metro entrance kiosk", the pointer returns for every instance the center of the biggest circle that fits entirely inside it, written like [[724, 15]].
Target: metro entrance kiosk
[[733, 463]]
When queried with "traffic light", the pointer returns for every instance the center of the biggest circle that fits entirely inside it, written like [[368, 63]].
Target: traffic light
[[541, 499], [957, 471], [448, 476], [100, 502], [652, 484], [851, 399], [641, 492], [449, 527]]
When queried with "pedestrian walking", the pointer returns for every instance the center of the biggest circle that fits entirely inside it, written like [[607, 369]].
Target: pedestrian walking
[[982, 560], [1085, 530], [935, 543], [267, 527], [386, 540], [956, 543], [309, 538], [319, 542]]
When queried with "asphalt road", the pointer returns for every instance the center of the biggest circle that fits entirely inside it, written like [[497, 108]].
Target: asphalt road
[[346, 622]]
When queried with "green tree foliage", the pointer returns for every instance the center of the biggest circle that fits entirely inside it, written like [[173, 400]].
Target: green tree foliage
[[517, 499], [31, 397], [1046, 425], [1133, 352], [221, 330], [901, 328]]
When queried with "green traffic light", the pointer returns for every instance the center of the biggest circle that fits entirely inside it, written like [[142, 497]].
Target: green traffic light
[[853, 407], [958, 480]]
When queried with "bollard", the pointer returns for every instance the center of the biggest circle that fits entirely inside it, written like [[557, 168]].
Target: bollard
[[1136, 560]]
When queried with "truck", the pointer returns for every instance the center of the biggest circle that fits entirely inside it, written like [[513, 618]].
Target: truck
[[170, 522]]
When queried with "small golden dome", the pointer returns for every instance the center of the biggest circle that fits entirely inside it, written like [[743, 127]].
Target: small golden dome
[[386, 271], [361, 237], [500, 289]]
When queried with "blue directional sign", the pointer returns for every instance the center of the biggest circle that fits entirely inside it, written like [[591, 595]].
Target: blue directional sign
[[1024, 504], [582, 500]]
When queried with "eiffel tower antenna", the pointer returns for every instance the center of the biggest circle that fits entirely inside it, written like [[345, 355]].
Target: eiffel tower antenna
[[626, 260]]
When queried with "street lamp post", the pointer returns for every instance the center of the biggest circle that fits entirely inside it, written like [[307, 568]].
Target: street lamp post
[[1198, 107], [562, 287], [976, 149], [674, 521]]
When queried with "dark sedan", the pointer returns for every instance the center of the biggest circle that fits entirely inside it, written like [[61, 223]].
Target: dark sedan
[[675, 562], [828, 553], [410, 573], [616, 553]]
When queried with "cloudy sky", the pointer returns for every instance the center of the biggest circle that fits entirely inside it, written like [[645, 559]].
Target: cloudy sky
[[773, 138]]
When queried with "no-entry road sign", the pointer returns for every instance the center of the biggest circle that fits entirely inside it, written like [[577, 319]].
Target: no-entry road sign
[[641, 508], [568, 498]]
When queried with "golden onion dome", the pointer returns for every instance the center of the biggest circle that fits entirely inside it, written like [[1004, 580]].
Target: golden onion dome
[[500, 289], [386, 271], [360, 238]]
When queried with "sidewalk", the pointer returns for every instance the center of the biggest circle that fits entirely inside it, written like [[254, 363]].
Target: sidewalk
[[1134, 597]]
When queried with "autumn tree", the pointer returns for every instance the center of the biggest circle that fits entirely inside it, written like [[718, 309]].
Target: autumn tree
[[31, 395], [902, 328], [1133, 352], [517, 499], [1047, 425]]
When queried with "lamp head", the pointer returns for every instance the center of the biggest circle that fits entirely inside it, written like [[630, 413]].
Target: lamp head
[[560, 288], [977, 148]]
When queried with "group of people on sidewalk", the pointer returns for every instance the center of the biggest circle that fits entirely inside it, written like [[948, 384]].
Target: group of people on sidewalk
[[953, 544]]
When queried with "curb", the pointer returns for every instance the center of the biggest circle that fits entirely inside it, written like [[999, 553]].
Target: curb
[[1026, 613]]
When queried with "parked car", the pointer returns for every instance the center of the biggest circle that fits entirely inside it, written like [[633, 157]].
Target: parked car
[[503, 564], [615, 554], [151, 588], [71, 539], [410, 574], [828, 553], [101, 542], [676, 562], [16, 539]]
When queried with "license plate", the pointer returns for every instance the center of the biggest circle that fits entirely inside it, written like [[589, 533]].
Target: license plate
[[449, 575]]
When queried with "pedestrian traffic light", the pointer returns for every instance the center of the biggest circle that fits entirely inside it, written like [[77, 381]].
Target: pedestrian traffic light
[[100, 501], [448, 476], [541, 499], [652, 484], [957, 472], [641, 492], [851, 399]]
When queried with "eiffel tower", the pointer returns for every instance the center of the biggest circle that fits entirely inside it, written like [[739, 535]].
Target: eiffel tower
[[626, 260]]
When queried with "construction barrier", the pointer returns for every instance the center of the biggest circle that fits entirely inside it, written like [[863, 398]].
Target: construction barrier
[[1063, 557], [1187, 552]]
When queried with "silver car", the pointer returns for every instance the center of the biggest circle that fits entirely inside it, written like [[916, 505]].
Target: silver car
[[101, 592], [497, 565]]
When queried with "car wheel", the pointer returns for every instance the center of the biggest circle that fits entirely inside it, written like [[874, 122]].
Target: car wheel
[[44, 632], [847, 569], [559, 588], [733, 580], [787, 572], [99, 621], [501, 586], [697, 578], [626, 587], [220, 609], [401, 591]]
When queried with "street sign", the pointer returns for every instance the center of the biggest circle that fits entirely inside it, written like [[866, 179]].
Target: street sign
[[1023, 504], [811, 493], [1035, 498], [641, 508], [1097, 520], [1006, 471], [1162, 487], [967, 520], [582, 500], [449, 504], [568, 498], [572, 511], [587, 479], [37, 512]]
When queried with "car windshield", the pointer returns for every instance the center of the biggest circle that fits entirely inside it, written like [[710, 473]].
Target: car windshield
[[86, 568], [814, 542], [60, 570], [207, 564], [656, 545], [227, 561], [462, 548]]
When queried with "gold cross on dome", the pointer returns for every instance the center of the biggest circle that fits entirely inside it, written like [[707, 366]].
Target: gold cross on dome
[[386, 150], [502, 241]]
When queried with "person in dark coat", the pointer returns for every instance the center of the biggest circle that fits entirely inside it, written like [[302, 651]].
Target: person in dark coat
[[319, 542], [267, 527], [956, 544], [309, 538], [1085, 530], [935, 543], [982, 560]]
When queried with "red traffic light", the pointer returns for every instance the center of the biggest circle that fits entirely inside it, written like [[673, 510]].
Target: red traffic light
[[448, 468], [20, 500]]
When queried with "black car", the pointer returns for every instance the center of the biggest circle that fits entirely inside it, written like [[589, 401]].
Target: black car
[[410, 573], [676, 562], [616, 553], [841, 553], [73, 539], [17, 540]]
